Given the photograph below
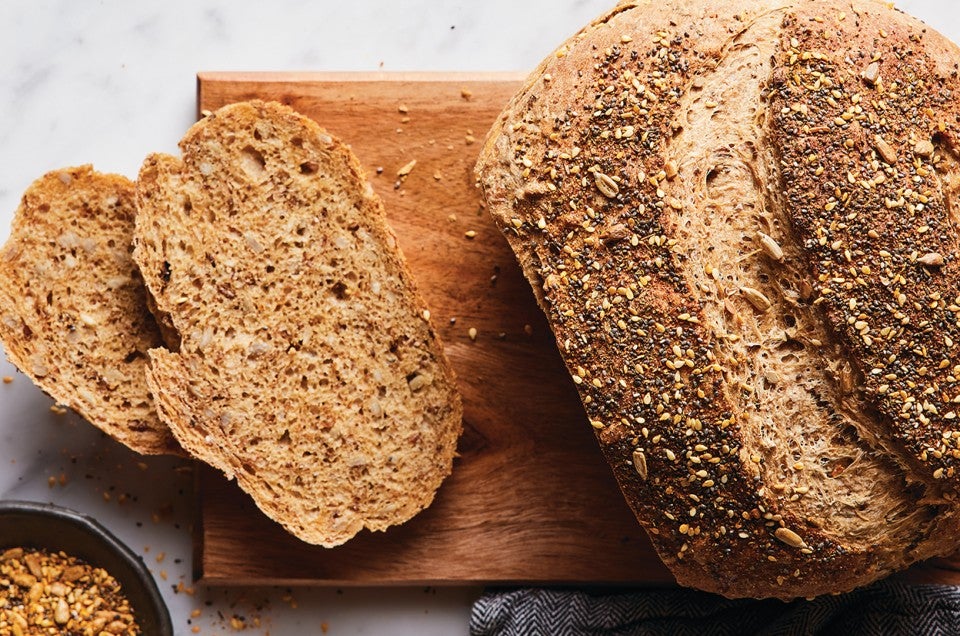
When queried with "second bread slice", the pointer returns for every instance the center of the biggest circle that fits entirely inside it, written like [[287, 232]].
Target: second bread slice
[[306, 368]]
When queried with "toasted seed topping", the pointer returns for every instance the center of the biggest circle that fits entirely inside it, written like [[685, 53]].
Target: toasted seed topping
[[640, 463], [924, 148], [615, 233], [874, 222], [931, 258], [789, 537], [887, 153], [872, 73], [606, 185], [670, 169]]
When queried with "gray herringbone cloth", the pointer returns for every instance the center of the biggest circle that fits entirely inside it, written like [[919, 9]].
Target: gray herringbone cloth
[[883, 608]]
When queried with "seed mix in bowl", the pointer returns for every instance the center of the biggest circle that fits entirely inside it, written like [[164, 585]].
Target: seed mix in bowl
[[53, 593]]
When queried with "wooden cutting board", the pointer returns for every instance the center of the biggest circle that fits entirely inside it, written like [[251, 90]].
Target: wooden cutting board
[[530, 498]]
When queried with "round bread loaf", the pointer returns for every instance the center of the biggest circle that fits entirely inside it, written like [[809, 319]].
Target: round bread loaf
[[740, 220]]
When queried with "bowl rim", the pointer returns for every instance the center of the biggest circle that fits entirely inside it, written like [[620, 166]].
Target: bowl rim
[[105, 537]]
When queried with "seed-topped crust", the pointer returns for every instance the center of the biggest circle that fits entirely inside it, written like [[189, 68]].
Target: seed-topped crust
[[874, 214], [580, 174]]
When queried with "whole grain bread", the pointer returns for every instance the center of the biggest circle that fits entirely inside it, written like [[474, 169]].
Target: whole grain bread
[[307, 366], [73, 314], [740, 219]]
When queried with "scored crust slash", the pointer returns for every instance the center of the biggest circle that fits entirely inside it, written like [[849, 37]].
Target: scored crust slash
[[739, 219]]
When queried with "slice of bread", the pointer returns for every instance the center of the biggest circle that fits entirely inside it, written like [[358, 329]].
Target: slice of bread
[[307, 368], [73, 313]]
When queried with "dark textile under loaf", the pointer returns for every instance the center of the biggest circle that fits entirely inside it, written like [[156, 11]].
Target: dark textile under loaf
[[884, 608]]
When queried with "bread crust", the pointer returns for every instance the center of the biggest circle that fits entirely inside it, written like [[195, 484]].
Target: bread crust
[[307, 367], [74, 318], [620, 170]]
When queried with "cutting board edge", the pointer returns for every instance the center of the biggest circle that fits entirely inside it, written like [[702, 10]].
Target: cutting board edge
[[208, 78], [360, 76], [217, 581]]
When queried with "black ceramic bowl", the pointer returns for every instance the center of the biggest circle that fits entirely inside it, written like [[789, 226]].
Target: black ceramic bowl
[[44, 526]]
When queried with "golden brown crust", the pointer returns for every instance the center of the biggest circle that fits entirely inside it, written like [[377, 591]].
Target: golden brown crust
[[867, 141], [579, 175], [74, 318]]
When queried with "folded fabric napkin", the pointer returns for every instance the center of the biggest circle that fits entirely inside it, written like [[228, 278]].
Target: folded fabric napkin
[[887, 607]]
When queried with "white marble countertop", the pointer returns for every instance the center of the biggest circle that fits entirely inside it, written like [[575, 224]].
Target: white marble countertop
[[108, 82]]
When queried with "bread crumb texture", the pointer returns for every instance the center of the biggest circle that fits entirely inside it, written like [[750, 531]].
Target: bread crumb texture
[[73, 313], [740, 220], [305, 367]]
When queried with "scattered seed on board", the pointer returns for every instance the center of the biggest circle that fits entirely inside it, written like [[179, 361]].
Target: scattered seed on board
[[472, 332], [406, 169], [470, 234]]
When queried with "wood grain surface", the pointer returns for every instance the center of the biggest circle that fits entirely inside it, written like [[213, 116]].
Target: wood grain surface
[[530, 498]]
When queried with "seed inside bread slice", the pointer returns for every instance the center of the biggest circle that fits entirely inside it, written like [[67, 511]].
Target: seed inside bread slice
[[73, 313], [306, 368]]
